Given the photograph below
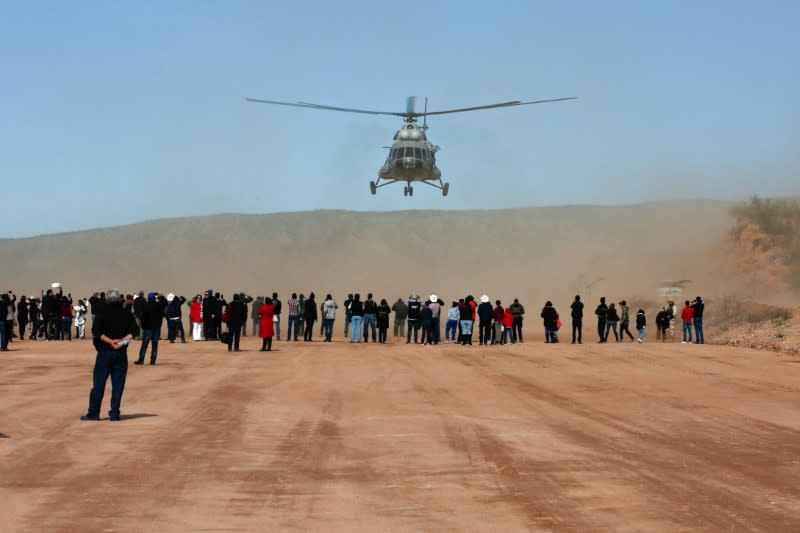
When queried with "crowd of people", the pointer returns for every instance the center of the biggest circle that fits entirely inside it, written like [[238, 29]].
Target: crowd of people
[[118, 319], [56, 316]]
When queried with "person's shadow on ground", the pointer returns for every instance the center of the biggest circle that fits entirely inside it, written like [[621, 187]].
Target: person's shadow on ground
[[135, 415]]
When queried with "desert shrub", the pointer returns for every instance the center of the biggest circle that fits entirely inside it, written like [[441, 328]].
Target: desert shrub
[[779, 219], [731, 311]]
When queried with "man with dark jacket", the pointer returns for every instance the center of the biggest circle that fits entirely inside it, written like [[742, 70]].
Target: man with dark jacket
[[112, 331], [517, 310], [152, 320], [400, 310], [221, 305], [577, 320], [5, 335], [95, 303], [414, 315], [174, 315], [51, 315], [237, 315], [209, 316], [310, 317], [276, 304], [485, 315], [602, 313], [356, 310], [138, 308], [698, 307], [370, 318], [550, 317], [246, 301]]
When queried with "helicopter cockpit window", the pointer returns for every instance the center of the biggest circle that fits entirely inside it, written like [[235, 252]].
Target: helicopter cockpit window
[[417, 153]]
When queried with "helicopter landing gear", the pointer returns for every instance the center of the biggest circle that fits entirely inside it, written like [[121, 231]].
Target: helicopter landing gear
[[408, 190], [445, 189], [373, 188]]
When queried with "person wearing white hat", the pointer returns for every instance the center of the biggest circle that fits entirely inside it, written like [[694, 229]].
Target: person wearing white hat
[[436, 310], [485, 315]]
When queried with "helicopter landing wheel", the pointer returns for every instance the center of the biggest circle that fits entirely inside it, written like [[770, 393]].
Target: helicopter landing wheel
[[405, 191], [373, 188], [445, 189], [410, 190]]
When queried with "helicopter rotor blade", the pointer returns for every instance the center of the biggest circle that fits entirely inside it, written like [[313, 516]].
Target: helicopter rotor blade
[[326, 107], [513, 103]]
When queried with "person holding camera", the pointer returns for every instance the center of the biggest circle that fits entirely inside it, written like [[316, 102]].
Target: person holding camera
[[111, 333], [152, 320]]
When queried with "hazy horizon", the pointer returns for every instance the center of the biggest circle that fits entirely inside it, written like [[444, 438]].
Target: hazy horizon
[[369, 212]]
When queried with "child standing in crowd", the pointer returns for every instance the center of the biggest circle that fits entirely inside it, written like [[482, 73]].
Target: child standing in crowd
[[641, 324], [508, 327]]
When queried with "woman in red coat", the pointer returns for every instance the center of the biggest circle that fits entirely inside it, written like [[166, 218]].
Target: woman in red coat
[[196, 317], [266, 328]]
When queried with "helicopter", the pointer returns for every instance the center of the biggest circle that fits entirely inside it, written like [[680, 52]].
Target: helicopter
[[411, 158]]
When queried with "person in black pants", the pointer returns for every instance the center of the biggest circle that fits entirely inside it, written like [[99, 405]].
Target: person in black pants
[[577, 320], [152, 320], [237, 316], [174, 315], [414, 310], [112, 331], [310, 318], [601, 312], [485, 316], [209, 316], [624, 321]]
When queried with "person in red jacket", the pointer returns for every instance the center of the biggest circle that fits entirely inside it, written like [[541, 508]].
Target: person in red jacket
[[687, 315], [508, 327], [266, 326], [196, 317]]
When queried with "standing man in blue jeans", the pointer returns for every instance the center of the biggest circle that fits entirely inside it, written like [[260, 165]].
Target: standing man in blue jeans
[[111, 332], [356, 316], [370, 318], [293, 306], [697, 315]]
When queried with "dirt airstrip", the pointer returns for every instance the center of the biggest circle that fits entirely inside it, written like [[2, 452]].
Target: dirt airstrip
[[338, 437]]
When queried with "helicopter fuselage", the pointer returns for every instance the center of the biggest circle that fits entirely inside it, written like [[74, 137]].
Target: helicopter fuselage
[[410, 161]]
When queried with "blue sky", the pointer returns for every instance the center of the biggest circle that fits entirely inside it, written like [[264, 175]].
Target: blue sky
[[116, 112]]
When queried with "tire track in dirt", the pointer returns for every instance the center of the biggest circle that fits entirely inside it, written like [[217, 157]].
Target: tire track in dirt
[[515, 478], [159, 465], [637, 451]]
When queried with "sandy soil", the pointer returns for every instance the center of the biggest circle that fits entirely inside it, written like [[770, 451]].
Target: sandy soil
[[399, 438]]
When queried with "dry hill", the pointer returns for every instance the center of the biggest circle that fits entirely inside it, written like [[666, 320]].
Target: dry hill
[[533, 253]]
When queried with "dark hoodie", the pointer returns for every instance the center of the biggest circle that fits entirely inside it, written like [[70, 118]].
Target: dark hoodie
[[549, 315], [641, 319]]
